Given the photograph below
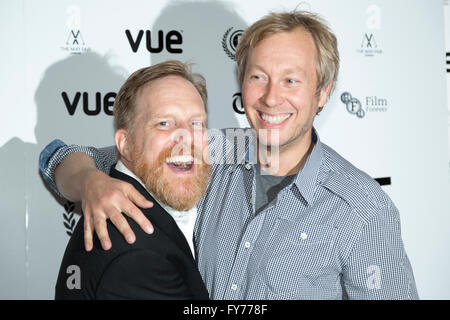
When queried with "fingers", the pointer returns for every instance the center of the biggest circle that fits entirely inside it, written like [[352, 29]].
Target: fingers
[[88, 231], [102, 232], [105, 198], [138, 198], [124, 228], [135, 213]]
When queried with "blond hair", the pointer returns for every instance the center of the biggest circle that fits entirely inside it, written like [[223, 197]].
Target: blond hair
[[327, 64], [125, 102]]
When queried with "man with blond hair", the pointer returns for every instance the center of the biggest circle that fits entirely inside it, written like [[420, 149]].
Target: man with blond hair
[[301, 222], [152, 106]]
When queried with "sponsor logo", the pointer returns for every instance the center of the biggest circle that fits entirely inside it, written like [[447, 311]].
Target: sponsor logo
[[69, 217], [155, 42], [353, 105], [104, 103], [369, 44], [447, 61], [75, 43], [372, 104], [230, 41], [238, 107], [384, 181]]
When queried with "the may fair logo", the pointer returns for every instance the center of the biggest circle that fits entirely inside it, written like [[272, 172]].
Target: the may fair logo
[[75, 42], [370, 104], [230, 41], [370, 46]]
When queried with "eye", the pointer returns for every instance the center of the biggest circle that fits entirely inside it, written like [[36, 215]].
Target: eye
[[197, 123], [257, 77], [164, 125], [291, 81]]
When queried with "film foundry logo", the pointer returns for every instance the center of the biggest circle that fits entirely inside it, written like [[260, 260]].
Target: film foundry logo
[[369, 43], [75, 43], [238, 107], [372, 104], [230, 41]]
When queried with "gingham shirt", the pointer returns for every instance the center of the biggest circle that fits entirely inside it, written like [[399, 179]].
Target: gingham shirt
[[330, 234]]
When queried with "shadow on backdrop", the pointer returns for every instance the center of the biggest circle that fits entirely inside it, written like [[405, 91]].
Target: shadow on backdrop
[[33, 255], [199, 22]]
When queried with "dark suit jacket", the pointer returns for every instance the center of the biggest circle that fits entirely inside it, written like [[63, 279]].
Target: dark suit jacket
[[156, 266]]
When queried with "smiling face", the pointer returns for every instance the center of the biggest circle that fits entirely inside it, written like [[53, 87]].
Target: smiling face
[[279, 88], [165, 147]]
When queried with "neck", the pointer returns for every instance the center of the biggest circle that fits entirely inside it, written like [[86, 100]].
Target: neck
[[287, 159]]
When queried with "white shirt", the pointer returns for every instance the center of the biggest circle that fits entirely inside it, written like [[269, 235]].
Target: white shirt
[[185, 220]]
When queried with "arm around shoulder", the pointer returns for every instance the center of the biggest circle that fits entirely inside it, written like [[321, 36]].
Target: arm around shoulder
[[57, 152]]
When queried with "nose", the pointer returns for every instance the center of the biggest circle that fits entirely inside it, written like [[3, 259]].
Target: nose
[[182, 139], [273, 96]]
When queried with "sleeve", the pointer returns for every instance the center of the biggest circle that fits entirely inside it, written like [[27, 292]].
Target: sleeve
[[142, 274], [378, 267], [55, 152]]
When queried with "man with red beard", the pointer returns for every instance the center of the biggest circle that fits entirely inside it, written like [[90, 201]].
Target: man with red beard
[[300, 222], [159, 117]]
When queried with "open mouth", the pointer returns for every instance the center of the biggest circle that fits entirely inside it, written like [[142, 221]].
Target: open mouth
[[183, 163], [274, 120]]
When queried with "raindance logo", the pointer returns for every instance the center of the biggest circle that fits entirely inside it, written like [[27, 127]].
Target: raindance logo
[[75, 43], [447, 61], [369, 46], [237, 103], [69, 217], [373, 104], [230, 41]]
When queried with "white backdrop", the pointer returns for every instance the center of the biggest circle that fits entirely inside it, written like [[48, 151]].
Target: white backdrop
[[62, 61]]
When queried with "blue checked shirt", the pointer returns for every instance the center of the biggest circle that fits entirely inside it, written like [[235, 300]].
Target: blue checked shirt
[[330, 234]]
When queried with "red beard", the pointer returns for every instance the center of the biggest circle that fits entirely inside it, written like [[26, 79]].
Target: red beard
[[181, 193]]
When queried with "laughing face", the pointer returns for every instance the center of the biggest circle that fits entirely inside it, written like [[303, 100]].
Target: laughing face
[[165, 149], [279, 88]]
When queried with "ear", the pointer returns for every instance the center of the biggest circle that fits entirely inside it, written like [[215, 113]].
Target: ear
[[123, 143], [324, 93]]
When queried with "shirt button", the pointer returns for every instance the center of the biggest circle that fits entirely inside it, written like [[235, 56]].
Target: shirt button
[[248, 166], [303, 236], [247, 245], [233, 287]]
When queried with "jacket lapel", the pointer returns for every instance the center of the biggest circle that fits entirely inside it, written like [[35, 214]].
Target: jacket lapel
[[157, 215]]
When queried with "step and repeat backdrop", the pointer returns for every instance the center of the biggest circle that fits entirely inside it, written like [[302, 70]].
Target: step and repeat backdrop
[[62, 63]]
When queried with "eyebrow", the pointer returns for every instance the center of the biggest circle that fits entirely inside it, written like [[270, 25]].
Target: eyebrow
[[162, 116], [285, 71]]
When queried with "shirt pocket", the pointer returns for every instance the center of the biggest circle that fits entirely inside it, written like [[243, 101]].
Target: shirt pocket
[[298, 258]]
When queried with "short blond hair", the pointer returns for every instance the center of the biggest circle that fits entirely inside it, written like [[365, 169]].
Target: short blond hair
[[125, 103], [327, 64]]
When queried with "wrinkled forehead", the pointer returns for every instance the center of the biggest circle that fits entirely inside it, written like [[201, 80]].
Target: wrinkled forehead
[[170, 96]]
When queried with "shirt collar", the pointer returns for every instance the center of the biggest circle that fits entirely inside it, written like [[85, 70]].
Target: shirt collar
[[306, 178], [174, 213]]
